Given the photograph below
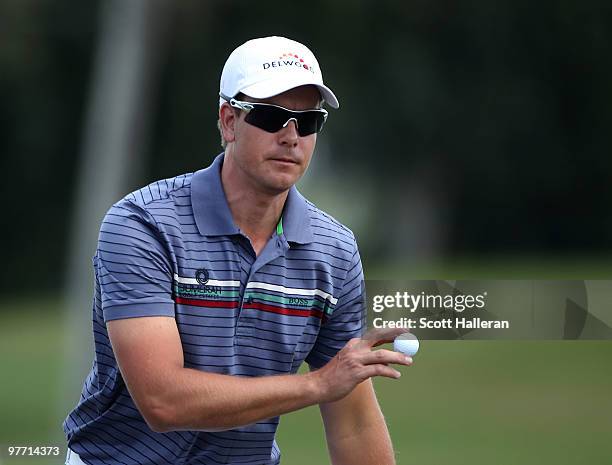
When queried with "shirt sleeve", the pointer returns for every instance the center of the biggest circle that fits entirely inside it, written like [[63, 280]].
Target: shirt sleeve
[[132, 265], [348, 319]]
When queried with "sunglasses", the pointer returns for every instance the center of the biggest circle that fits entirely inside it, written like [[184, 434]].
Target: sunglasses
[[272, 118]]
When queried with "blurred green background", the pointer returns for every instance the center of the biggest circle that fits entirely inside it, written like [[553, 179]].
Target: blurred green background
[[472, 141]]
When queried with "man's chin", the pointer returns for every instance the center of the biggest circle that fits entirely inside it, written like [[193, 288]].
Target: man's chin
[[280, 184]]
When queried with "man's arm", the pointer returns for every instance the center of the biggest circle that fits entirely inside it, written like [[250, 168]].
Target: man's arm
[[355, 429], [172, 397]]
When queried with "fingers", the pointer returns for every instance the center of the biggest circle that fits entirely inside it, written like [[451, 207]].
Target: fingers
[[383, 356], [370, 371], [375, 363], [377, 336]]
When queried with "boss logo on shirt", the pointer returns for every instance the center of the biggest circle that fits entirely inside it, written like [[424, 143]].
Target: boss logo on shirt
[[201, 276]]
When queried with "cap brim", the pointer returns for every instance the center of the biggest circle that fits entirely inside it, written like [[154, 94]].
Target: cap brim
[[270, 88]]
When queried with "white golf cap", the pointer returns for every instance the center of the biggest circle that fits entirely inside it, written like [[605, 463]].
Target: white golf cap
[[265, 67]]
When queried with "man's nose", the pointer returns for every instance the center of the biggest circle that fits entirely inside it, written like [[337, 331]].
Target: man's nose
[[289, 133]]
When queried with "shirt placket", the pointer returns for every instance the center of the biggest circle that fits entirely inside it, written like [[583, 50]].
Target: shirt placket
[[274, 248]]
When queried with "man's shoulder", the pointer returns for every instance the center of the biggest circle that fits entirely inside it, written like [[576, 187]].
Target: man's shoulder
[[164, 197], [329, 232], [160, 192]]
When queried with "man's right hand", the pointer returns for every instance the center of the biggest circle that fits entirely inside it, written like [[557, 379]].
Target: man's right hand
[[357, 362]]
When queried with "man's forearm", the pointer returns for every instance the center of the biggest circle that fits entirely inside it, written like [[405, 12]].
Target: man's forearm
[[171, 397], [369, 446], [356, 430], [198, 400]]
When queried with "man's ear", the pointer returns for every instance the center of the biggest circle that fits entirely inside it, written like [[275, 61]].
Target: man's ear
[[227, 117]]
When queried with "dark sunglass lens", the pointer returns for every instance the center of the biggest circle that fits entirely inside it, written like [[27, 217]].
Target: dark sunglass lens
[[310, 122], [272, 119], [268, 118]]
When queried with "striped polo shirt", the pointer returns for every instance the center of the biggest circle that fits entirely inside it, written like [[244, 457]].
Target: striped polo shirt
[[172, 249]]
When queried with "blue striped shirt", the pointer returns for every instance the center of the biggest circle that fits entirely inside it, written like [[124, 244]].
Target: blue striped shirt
[[172, 249]]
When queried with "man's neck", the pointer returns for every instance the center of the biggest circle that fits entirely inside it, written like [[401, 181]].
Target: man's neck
[[254, 211]]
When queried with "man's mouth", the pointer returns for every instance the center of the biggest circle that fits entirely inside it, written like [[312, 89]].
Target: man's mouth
[[286, 160]]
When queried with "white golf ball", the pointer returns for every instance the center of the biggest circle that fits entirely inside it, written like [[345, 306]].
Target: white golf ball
[[407, 344]]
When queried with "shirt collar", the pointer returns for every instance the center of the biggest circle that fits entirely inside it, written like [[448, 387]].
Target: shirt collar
[[214, 218], [296, 218]]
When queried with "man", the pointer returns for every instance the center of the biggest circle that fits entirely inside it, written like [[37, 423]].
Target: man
[[212, 288]]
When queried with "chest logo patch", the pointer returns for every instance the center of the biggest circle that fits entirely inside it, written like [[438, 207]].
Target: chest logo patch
[[202, 276]]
